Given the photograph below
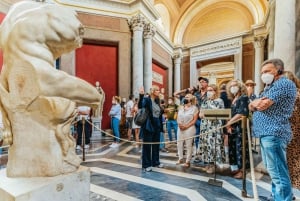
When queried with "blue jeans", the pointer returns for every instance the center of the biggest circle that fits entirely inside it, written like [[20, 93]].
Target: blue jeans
[[273, 152], [197, 138], [115, 125], [172, 124], [162, 139]]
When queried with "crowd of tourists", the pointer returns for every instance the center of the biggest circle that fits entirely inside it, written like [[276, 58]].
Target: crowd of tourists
[[217, 143]]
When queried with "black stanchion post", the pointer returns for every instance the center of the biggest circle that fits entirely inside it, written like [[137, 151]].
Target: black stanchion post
[[216, 114], [244, 126], [83, 138], [214, 181]]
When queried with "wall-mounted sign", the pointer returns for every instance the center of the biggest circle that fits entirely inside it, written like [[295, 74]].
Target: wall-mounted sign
[[158, 78], [216, 47]]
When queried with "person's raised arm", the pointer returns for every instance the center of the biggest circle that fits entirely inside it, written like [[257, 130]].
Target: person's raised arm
[[142, 93]]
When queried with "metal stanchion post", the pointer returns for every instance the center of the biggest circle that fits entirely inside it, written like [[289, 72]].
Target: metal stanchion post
[[83, 138], [255, 193], [244, 126]]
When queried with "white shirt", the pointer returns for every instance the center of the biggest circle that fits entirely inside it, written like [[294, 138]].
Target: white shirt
[[129, 107], [83, 112]]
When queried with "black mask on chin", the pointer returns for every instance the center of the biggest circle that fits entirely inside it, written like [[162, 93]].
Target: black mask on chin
[[186, 101]]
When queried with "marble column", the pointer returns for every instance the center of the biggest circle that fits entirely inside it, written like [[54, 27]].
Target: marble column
[[149, 31], [259, 44], [177, 69], [137, 23], [284, 39], [238, 65]]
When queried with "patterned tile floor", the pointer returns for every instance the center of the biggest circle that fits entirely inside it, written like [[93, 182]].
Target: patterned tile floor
[[116, 175]]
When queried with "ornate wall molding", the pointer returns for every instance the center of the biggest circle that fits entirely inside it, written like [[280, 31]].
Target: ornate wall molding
[[216, 47]]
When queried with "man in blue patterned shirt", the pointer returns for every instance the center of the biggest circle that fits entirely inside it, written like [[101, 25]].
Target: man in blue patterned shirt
[[272, 111]]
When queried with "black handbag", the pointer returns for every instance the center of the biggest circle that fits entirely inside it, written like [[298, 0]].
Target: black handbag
[[141, 116]]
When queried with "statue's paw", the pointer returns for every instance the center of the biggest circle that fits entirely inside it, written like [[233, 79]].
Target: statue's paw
[[7, 137], [72, 158]]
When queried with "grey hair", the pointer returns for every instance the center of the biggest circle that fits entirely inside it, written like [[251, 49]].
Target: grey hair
[[278, 64]]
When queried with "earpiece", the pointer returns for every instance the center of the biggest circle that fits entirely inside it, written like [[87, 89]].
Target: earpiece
[[279, 72]]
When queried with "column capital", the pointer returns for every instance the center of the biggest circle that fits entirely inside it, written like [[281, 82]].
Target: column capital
[[177, 55], [259, 41], [137, 22], [177, 58], [149, 30]]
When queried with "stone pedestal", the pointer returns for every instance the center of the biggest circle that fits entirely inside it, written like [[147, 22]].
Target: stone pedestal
[[96, 130], [69, 187]]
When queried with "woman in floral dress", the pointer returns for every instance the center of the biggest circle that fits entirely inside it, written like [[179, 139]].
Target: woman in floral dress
[[211, 140]]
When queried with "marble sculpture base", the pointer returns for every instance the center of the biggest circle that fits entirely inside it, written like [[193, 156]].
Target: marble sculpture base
[[69, 187]]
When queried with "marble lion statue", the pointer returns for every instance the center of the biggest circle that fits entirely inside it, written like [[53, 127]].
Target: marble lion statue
[[38, 102]]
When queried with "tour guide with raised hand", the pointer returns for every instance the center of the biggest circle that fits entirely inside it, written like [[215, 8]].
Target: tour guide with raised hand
[[151, 129], [272, 111]]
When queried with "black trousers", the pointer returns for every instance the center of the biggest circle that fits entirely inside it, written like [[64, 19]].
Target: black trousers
[[150, 152], [87, 131]]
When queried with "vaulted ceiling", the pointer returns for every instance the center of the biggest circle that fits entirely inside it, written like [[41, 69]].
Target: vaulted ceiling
[[192, 22]]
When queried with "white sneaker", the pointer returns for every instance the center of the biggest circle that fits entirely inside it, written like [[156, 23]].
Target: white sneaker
[[86, 146], [114, 145], [148, 169], [160, 165], [78, 147]]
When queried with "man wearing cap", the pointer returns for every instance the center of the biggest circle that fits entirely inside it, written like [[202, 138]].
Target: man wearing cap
[[201, 96], [250, 89]]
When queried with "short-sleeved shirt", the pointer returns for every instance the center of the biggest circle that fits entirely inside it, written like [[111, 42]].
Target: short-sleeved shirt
[[200, 98], [129, 107], [186, 115], [275, 120], [171, 111]]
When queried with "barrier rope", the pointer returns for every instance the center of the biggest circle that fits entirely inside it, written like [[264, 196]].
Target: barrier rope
[[166, 142], [141, 142], [206, 133]]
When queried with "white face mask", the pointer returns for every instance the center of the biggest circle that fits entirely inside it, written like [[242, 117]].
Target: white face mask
[[234, 89], [210, 94], [267, 78]]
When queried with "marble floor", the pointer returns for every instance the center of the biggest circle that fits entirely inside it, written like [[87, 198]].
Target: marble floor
[[116, 174]]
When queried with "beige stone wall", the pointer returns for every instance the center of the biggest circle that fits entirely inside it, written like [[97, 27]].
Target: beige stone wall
[[106, 30], [164, 59], [161, 56], [185, 72], [248, 63]]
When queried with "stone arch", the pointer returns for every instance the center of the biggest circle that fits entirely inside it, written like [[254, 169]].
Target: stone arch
[[255, 10], [232, 20], [164, 22]]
